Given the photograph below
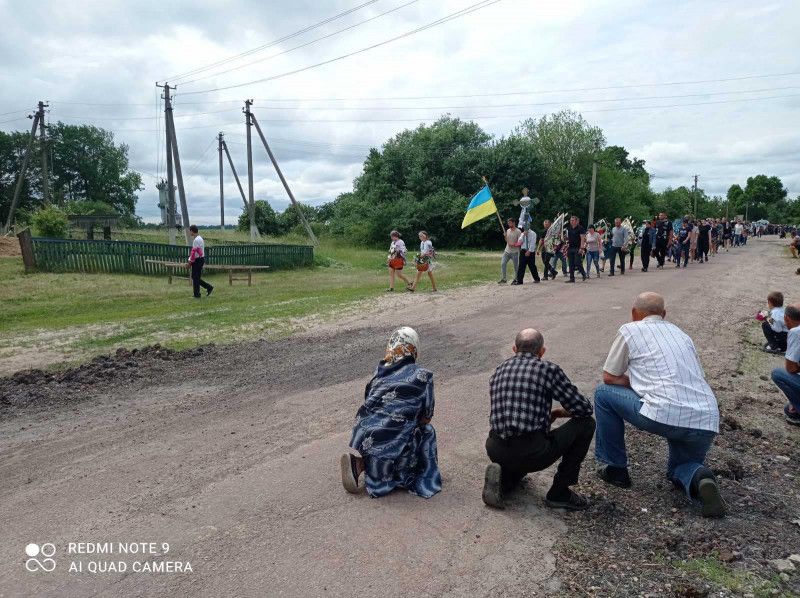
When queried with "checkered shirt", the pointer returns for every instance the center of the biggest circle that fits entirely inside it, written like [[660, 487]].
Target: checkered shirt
[[522, 390]]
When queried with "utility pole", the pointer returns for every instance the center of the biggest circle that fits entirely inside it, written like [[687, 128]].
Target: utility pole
[[283, 180], [170, 180], [43, 142], [21, 176], [221, 189], [251, 204], [235, 174], [591, 193], [694, 193], [170, 126]]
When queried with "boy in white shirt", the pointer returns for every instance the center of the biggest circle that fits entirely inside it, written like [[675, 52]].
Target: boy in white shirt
[[773, 325]]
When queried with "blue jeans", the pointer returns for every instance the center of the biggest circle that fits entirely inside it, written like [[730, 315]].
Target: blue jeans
[[789, 384], [615, 405], [593, 256]]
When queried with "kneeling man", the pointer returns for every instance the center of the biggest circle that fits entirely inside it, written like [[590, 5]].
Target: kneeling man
[[522, 391], [654, 381]]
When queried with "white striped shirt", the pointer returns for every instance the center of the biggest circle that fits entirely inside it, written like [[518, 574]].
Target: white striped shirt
[[664, 370]]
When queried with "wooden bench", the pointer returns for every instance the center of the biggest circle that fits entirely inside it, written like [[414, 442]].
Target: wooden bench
[[247, 271]]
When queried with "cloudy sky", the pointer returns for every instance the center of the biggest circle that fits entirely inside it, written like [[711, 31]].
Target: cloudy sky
[[705, 86]]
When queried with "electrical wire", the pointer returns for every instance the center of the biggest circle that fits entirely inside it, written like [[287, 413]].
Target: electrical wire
[[452, 16], [272, 43], [199, 160], [308, 43]]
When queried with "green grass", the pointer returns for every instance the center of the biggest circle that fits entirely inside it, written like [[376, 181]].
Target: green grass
[[78, 315], [711, 569]]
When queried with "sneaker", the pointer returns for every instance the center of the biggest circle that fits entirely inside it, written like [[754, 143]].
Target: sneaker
[[791, 415], [350, 475], [575, 502], [708, 492], [616, 476], [492, 486], [501, 281]]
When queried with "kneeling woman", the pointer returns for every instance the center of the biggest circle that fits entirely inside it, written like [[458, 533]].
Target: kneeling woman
[[393, 443]]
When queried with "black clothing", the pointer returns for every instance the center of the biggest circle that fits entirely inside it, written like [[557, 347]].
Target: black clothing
[[575, 261], [645, 249], [617, 251], [520, 455], [548, 269], [530, 262], [776, 340], [662, 230], [574, 236], [197, 272]]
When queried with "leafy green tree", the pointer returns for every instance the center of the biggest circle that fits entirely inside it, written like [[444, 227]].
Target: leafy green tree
[[50, 221], [764, 196], [266, 219], [289, 220]]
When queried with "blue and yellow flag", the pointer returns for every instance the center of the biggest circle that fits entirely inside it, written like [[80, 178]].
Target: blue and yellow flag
[[480, 206]]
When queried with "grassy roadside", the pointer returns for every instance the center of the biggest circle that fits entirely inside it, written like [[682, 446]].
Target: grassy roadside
[[75, 316]]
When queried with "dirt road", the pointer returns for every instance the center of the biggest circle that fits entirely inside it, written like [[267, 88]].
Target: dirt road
[[230, 455]]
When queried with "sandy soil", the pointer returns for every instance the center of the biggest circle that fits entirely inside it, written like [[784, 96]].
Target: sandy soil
[[9, 247], [229, 455]]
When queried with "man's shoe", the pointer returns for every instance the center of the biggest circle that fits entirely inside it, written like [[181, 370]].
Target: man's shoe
[[492, 486], [209, 291], [708, 492], [611, 274], [791, 415], [536, 280], [570, 280], [515, 283], [616, 476], [501, 281], [575, 502]]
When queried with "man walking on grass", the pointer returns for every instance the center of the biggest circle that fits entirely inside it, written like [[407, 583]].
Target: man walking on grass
[[522, 390], [653, 380], [197, 259]]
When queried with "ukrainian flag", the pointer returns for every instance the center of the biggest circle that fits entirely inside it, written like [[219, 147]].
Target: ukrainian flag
[[480, 206]]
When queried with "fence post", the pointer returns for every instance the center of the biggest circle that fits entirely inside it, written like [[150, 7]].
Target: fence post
[[26, 246]]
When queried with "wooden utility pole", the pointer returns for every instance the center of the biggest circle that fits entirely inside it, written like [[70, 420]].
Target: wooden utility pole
[[43, 143], [592, 193], [235, 175], [21, 175], [694, 193], [251, 203], [310, 232], [221, 188], [170, 181], [176, 157]]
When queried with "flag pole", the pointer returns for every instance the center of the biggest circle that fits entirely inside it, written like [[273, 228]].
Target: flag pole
[[496, 211]]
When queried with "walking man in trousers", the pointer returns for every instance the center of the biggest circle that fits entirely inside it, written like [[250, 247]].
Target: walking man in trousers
[[197, 259], [527, 257]]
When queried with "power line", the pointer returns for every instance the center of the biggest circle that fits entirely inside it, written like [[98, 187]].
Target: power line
[[308, 43], [272, 43], [452, 16], [199, 160]]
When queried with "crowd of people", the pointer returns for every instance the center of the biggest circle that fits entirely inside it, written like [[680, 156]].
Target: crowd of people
[[693, 240], [652, 378]]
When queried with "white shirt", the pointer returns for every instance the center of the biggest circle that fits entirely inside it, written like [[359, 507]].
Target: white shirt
[[198, 249], [528, 241], [737, 230], [793, 345], [778, 324], [426, 247], [664, 370]]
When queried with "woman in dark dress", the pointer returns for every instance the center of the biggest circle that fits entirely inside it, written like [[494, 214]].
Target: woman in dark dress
[[704, 241]]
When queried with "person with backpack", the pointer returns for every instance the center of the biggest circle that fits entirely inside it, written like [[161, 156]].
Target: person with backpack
[[425, 261]]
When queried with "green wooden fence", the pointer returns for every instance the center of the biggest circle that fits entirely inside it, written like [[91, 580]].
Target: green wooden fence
[[66, 255]]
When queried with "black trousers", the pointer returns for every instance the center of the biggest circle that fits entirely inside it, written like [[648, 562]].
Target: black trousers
[[617, 251], [548, 270], [661, 251], [521, 455], [197, 272], [632, 252], [776, 340], [702, 251], [530, 262], [645, 255], [575, 261]]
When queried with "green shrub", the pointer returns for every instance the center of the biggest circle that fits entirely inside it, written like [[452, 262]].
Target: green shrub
[[50, 221]]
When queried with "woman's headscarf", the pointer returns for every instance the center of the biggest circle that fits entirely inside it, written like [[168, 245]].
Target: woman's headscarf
[[403, 343]]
